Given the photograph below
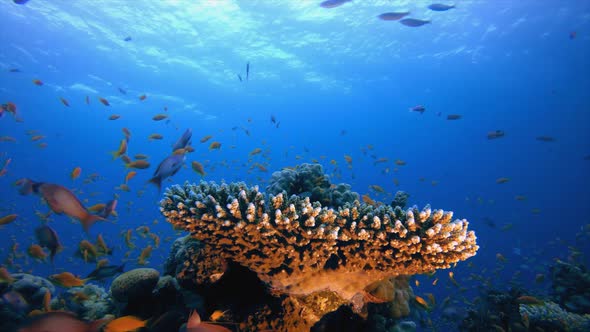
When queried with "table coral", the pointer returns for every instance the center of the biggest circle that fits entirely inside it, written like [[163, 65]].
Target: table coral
[[299, 247]]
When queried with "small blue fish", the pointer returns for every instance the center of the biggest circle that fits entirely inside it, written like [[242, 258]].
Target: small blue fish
[[413, 22], [21, 2], [167, 168], [439, 7], [333, 3], [393, 16], [127, 39]]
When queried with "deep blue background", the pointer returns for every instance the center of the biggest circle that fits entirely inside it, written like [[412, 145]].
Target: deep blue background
[[525, 76]]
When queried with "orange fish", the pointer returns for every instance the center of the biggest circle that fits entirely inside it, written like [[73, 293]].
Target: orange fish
[[141, 156], [122, 150], [64, 101], [8, 219], [37, 138], [159, 117], [130, 176], [125, 323], [139, 164], [66, 280], [155, 136], [123, 187], [4, 169], [37, 252], [47, 301], [114, 117], [205, 138], [377, 188], [215, 146], [194, 324], [61, 200], [104, 101], [76, 173], [400, 162], [142, 97], [145, 254], [198, 167], [37, 82], [125, 158], [5, 276], [127, 133], [255, 152], [128, 242], [421, 302]]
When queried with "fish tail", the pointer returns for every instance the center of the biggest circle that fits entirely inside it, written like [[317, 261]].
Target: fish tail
[[157, 181], [89, 220], [115, 154], [28, 187]]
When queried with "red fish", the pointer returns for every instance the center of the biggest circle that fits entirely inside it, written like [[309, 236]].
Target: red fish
[[60, 321], [142, 97], [194, 324], [60, 200], [37, 82], [104, 101], [64, 101]]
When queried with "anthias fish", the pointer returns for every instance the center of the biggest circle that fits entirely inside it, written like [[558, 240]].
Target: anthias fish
[[61, 201]]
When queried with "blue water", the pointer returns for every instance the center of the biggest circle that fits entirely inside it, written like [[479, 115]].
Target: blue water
[[337, 80]]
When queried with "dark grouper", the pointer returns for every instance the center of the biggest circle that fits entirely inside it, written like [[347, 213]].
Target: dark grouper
[[168, 167]]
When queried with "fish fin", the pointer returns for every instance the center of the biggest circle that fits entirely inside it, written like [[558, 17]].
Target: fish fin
[[194, 319], [27, 187], [157, 181], [89, 220]]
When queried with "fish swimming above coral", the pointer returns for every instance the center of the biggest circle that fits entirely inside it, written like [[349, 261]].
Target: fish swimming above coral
[[61, 201]]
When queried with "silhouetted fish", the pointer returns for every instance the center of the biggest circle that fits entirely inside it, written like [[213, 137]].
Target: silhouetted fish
[[413, 22], [439, 7], [333, 3], [47, 237], [247, 70], [393, 16], [128, 38], [21, 2], [105, 272]]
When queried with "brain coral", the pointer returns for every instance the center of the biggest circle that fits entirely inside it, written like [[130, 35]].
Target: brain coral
[[299, 247]]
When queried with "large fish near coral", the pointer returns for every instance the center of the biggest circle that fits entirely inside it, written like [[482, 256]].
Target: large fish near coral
[[167, 168], [61, 201]]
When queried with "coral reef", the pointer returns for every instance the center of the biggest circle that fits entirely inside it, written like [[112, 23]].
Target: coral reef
[[571, 287], [551, 317], [494, 312], [309, 180], [89, 302], [305, 250], [134, 284], [298, 247], [32, 288]]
